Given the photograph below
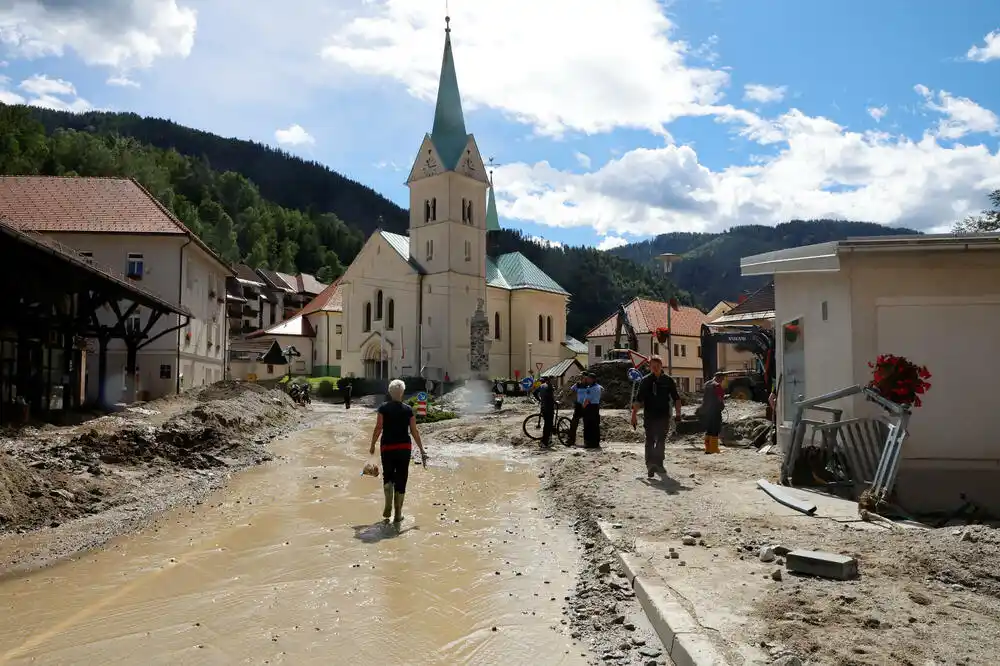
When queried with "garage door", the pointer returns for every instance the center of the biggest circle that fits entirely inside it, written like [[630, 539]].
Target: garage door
[[956, 341]]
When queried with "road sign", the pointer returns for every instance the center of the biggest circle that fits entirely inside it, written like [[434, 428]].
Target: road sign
[[538, 367], [527, 383], [634, 374], [429, 385], [421, 408], [421, 397]]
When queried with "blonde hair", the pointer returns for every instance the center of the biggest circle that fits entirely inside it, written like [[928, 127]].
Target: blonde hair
[[396, 389]]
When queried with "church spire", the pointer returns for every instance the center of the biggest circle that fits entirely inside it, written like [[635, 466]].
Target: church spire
[[449, 134], [492, 219]]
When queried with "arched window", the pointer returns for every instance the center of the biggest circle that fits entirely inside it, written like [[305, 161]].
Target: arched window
[[496, 326], [541, 328], [548, 329], [367, 323], [434, 209], [427, 211], [468, 214], [390, 315], [464, 211], [378, 305]]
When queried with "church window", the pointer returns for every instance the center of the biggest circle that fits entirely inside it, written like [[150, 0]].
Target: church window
[[541, 328], [468, 215], [427, 211], [378, 305], [468, 250], [430, 249], [434, 209], [367, 323], [548, 329], [464, 219], [496, 325], [390, 315]]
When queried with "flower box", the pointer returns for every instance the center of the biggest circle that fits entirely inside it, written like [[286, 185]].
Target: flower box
[[662, 334]]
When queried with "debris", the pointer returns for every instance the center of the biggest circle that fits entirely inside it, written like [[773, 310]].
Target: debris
[[604, 567], [767, 554], [689, 541], [776, 574], [783, 497], [824, 565]]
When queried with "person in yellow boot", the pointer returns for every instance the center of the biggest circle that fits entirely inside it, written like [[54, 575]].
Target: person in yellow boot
[[396, 430], [712, 404]]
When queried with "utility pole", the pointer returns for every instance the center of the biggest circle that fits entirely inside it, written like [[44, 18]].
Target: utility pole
[[667, 261]]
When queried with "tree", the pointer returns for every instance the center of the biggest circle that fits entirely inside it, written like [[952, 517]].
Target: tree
[[986, 222]]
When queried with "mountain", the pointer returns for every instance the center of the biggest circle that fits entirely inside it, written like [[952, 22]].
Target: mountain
[[709, 268], [269, 209]]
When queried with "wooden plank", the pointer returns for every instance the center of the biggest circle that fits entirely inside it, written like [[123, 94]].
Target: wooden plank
[[783, 497]]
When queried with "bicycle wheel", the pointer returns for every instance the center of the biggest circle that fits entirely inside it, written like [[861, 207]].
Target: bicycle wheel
[[533, 427], [562, 428]]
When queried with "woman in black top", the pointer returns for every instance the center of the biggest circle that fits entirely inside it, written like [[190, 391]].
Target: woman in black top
[[395, 424]]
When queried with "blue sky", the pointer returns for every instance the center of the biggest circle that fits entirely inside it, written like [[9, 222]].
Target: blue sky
[[610, 122]]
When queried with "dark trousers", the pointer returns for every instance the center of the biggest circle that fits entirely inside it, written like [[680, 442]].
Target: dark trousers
[[656, 428], [347, 397], [396, 468], [592, 426], [713, 422], [548, 419], [574, 423]]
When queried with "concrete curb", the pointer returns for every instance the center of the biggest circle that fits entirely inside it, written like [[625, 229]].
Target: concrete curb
[[682, 637]]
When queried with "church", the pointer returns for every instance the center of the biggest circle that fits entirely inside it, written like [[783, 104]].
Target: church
[[408, 301]]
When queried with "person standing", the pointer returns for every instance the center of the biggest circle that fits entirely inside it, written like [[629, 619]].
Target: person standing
[[546, 396], [344, 384], [579, 389], [657, 393], [592, 414], [712, 405], [393, 429]]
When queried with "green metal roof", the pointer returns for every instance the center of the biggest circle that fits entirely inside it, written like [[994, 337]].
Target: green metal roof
[[515, 271], [492, 219], [449, 134]]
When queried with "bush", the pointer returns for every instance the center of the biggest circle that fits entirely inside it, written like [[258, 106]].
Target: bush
[[435, 415], [326, 389]]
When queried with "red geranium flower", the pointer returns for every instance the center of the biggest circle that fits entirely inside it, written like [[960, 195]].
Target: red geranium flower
[[899, 379]]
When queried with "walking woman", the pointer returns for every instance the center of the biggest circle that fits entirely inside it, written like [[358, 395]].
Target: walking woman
[[396, 423]]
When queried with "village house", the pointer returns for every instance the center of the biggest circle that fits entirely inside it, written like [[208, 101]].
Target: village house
[[117, 223], [681, 354], [408, 301], [932, 299], [325, 314], [755, 309]]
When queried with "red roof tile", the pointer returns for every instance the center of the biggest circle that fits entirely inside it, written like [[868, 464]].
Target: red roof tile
[[329, 300], [646, 316]]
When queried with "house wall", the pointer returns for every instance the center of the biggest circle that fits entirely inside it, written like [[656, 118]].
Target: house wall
[[528, 350], [178, 271], [685, 362], [498, 306], [935, 309], [328, 343]]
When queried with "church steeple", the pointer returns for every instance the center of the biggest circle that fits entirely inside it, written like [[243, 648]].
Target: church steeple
[[492, 219], [449, 134]]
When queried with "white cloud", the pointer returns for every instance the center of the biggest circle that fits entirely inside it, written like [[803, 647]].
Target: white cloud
[[115, 33], [990, 50], [961, 115], [610, 64], [611, 242], [295, 135], [122, 81], [583, 159], [544, 241], [878, 112], [39, 90], [756, 92], [820, 170]]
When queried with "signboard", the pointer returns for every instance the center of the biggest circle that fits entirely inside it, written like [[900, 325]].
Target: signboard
[[634, 374], [421, 397], [421, 408], [526, 384], [538, 367]]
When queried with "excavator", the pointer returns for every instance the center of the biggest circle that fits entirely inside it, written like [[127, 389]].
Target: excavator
[[753, 383], [618, 353]]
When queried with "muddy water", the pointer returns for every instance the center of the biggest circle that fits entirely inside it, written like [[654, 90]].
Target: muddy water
[[289, 566]]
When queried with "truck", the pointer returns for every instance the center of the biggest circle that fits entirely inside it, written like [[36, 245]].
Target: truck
[[751, 383]]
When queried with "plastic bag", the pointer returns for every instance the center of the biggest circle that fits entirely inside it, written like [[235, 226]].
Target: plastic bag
[[370, 468]]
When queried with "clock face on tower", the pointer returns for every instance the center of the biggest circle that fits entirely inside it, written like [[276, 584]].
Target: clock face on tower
[[430, 167]]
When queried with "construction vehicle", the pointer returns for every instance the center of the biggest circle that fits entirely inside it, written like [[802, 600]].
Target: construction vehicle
[[619, 353], [751, 383]]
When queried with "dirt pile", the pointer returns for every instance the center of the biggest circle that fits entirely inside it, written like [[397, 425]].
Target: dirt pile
[[613, 376]]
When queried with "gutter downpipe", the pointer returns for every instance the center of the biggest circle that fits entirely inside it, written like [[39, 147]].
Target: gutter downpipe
[[420, 325], [180, 301], [510, 336]]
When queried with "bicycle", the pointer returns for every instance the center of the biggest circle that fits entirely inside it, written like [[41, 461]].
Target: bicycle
[[533, 427]]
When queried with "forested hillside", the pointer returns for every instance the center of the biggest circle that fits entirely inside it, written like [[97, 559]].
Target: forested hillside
[[710, 265]]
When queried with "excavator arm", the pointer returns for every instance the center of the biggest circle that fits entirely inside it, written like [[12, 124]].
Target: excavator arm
[[623, 323]]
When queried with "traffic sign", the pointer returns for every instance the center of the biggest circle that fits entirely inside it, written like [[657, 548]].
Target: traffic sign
[[421, 397], [634, 374], [527, 383], [421, 408], [538, 366]]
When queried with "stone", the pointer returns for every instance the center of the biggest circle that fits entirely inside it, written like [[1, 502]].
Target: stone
[[604, 568], [651, 652], [823, 565], [693, 533], [674, 554], [787, 660], [767, 554], [776, 574], [689, 541]]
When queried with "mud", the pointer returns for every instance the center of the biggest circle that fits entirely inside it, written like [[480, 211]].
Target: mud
[[84, 484]]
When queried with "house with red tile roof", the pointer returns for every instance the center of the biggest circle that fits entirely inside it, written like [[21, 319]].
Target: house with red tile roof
[[681, 354], [117, 223]]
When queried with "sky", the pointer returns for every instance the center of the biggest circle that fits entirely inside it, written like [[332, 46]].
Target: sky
[[608, 122]]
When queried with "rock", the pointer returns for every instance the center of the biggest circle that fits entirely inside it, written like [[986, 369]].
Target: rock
[[919, 598], [604, 568], [618, 620], [968, 536], [650, 652], [767, 554], [674, 554], [693, 533], [787, 660], [776, 574], [689, 541]]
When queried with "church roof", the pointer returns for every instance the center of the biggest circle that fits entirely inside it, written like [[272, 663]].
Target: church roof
[[508, 271], [449, 134], [492, 219]]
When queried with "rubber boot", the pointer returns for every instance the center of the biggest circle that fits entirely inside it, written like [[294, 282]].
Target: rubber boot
[[388, 489], [398, 501], [715, 445], [708, 443]]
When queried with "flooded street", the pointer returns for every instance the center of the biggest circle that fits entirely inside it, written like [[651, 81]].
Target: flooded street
[[289, 565]]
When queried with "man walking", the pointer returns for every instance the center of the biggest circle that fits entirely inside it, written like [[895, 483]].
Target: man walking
[[592, 414], [657, 392], [712, 405], [580, 388], [344, 384], [546, 396]]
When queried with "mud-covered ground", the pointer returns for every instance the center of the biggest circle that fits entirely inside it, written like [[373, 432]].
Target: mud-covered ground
[[67, 489]]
